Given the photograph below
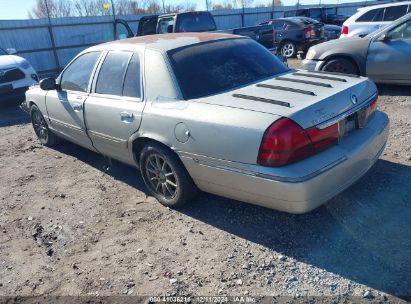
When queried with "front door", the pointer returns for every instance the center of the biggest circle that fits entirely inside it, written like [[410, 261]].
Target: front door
[[65, 106], [114, 109], [389, 59]]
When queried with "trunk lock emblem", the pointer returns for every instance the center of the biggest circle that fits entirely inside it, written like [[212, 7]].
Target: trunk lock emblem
[[354, 99]]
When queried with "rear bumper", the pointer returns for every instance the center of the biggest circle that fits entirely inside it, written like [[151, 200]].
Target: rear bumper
[[300, 187], [306, 44]]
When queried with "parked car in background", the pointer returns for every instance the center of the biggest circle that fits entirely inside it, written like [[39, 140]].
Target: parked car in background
[[383, 56], [326, 15], [215, 112], [332, 31], [372, 18], [194, 22], [176, 23], [16, 75], [295, 34]]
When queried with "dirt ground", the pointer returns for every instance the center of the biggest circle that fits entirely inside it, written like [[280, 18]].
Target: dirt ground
[[69, 228]]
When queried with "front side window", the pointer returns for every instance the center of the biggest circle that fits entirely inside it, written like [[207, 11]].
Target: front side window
[[77, 75], [111, 77], [394, 12], [216, 66], [401, 32]]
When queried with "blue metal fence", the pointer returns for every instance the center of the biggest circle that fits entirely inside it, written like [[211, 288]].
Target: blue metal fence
[[49, 46]]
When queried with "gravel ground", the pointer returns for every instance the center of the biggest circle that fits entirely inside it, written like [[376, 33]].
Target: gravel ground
[[69, 228]]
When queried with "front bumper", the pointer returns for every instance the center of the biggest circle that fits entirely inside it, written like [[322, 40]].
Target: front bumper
[[15, 95], [312, 65], [303, 186]]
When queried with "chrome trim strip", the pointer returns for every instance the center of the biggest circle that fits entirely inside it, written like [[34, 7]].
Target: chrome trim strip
[[106, 137], [306, 177], [347, 113], [284, 179]]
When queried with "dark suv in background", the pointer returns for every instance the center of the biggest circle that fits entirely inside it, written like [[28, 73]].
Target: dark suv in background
[[326, 15], [296, 34]]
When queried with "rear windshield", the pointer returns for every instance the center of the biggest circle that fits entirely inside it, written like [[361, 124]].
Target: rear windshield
[[213, 67], [195, 22]]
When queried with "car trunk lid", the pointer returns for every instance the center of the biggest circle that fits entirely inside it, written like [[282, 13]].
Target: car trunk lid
[[308, 98]]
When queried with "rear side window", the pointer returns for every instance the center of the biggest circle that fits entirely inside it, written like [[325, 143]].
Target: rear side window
[[394, 12], [213, 67], [132, 81], [77, 75], [368, 16], [195, 22], [111, 77], [278, 25]]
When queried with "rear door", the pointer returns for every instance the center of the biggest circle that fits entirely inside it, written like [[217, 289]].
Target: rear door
[[114, 109], [390, 59], [65, 106]]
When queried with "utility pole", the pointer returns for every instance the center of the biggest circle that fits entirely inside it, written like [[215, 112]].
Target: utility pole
[[53, 43], [164, 8], [113, 10], [207, 5], [272, 10]]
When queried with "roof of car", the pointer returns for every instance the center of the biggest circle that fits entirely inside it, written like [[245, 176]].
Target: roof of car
[[161, 42], [384, 5]]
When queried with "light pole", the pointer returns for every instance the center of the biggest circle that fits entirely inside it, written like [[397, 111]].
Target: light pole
[[207, 5], [164, 8], [113, 10]]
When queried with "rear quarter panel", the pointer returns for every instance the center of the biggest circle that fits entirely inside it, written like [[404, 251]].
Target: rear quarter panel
[[214, 131]]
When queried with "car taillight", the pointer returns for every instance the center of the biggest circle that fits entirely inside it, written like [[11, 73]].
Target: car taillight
[[371, 109], [344, 30], [307, 33], [285, 142], [323, 138]]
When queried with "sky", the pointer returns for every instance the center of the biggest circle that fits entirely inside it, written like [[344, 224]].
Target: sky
[[17, 9]]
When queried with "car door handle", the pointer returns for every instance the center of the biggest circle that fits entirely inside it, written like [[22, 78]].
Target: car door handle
[[126, 117], [77, 107]]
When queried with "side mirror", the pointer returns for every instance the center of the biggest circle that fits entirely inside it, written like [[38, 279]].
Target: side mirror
[[383, 38], [48, 84], [11, 51]]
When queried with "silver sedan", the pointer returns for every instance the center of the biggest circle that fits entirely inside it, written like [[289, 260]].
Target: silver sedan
[[383, 56], [217, 113]]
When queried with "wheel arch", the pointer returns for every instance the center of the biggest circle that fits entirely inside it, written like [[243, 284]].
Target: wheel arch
[[137, 144], [343, 56]]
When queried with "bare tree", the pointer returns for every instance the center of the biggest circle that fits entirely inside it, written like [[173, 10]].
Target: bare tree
[[56, 9]]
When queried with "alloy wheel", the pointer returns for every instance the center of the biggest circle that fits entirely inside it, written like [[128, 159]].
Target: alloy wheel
[[288, 49], [40, 126], [161, 176]]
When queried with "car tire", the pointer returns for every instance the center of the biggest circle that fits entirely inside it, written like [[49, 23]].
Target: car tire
[[340, 65], [288, 49], [165, 176], [41, 128]]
